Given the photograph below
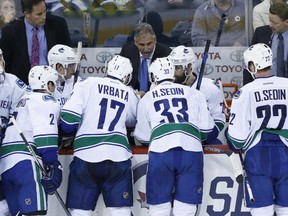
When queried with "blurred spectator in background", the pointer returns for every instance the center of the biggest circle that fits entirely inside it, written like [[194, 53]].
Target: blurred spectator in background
[[17, 38], [155, 20], [221, 21], [107, 6], [7, 11], [261, 13], [181, 32]]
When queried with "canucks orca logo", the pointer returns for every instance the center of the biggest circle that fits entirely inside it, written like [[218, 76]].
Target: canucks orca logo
[[48, 97], [20, 83], [60, 89], [237, 94]]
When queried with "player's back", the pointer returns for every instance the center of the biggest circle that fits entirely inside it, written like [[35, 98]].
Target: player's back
[[105, 106], [106, 102], [268, 102], [214, 99], [257, 106], [172, 110], [172, 96]]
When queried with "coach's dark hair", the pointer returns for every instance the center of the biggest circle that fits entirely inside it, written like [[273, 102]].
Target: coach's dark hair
[[27, 5], [280, 9], [143, 28]]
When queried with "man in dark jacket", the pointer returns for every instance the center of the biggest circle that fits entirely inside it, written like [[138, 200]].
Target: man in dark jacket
[[144, 46], [16, 41]]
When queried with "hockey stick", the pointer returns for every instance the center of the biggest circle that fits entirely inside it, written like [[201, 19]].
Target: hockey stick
[[222, 91], [228, 108], [219, 32], [205, 56], [250, 194], [37, 162], [236, 163], [78, 59]]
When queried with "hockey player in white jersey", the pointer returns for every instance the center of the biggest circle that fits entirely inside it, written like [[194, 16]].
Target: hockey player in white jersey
[[99, 109], [184, 60], [174, 119], [11, 90], [37, 114], [63, 59], [258, 125]]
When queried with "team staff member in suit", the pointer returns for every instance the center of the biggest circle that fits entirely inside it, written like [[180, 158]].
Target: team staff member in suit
[[270, 35], [146, 46], [262, 34], [16, 40]]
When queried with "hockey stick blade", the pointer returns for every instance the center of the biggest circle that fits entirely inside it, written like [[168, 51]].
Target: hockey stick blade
[[204, 59], [235, 162], [18, 129]]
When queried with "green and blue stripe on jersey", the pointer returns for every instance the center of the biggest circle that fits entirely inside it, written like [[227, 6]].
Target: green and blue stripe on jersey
[[86, 141], [245, 144], [184, 127], [69, 121]]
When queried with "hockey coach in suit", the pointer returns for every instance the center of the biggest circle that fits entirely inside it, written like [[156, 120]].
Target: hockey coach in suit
[[145, 45]]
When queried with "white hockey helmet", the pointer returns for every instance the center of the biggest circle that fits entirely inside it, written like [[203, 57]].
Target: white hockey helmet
[[40, 75], [161, 69], [61, 54], [183, 56], [261, 56], [121, 68]]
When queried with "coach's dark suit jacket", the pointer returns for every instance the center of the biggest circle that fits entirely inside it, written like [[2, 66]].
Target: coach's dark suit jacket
[[14, 43], [262, 34], [130, 51]]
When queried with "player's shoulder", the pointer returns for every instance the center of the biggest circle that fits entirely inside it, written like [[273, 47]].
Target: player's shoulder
[[197, 93], [244, 91], [281, 79], [210, 84], [14, 81], [86, 82]]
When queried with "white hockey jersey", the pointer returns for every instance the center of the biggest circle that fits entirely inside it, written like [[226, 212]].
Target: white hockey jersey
[[173, 115], [259, 106], [214, 99], [11, 90], [62, 92], [37, 114], [103, 107]]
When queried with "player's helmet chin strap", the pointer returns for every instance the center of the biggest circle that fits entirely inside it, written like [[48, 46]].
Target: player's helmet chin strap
[[187, 74], [62, 76], [252, 73], [2, 74]]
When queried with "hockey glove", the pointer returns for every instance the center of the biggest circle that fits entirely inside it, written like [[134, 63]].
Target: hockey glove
[[54, 178]]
